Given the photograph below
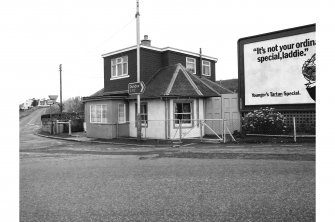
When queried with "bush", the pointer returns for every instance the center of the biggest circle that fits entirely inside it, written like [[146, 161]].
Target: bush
[[264, 121]]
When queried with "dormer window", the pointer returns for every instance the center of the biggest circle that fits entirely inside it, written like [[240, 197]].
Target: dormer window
[[119, 67], [191, 65], [206, 68]]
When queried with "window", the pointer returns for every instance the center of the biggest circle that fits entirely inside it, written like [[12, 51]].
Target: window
[[191, 65], [119, 67], [183, 114], [143, 113], [98, 113], [206, 68], [121, 113]]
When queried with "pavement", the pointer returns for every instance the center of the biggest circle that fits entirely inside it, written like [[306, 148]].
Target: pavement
[[187, 149], [82, 137]]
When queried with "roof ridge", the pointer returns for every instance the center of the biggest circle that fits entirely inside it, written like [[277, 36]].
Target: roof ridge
[[190, 80], [173, 79], [211, 88]]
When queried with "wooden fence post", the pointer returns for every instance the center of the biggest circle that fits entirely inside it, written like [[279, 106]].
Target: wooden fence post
[[294, 130], [224, 132], [70, 132], [180, 134], [200, 125]]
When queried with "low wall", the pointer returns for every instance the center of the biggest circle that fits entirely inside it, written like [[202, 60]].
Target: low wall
[[49, 126], [49, 122]]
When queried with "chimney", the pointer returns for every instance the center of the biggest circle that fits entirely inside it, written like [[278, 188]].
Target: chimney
[[146, 41]]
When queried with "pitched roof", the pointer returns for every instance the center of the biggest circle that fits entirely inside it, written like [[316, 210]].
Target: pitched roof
[[175, 80], [231, 84], [217, 87], [171, 81], [98, 93]]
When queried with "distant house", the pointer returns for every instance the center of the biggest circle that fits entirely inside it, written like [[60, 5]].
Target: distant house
[[43, 103], [179, 84], [27, 104]]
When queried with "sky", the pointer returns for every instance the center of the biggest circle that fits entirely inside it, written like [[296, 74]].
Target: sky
[[40, 35]]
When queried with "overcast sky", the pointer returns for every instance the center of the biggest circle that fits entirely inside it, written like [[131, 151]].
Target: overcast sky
[[40, 35]]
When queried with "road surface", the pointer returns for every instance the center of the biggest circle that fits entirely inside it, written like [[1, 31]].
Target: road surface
[[28, 125], [100, 186]]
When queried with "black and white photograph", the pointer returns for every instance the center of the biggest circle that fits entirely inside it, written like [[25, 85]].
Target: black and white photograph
[[151, 110]]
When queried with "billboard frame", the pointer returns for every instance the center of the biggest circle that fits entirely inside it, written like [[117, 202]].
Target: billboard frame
[[241, 72]]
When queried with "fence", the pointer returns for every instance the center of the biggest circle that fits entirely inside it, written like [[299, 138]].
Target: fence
[[50, 125], [178, 130], [291, 126]]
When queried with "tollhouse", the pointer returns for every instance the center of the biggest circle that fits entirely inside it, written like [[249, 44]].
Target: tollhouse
[[180, 90]]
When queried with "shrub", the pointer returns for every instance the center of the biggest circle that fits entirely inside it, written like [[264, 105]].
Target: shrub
[[264, 121]]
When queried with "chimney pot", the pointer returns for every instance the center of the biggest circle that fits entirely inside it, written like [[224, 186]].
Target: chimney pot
[[146, 41]]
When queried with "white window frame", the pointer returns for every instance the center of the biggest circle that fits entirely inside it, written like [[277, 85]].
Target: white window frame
[[194, 63], [207, 64], [103, 119], [183, 125], [119, 61], [124, 112]]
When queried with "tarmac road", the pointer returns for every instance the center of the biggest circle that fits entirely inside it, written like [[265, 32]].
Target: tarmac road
[[78, 186], [28, 125], [125, 188]]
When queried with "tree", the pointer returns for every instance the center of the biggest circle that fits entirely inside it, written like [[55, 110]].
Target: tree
[[74, 104], [34, 103]]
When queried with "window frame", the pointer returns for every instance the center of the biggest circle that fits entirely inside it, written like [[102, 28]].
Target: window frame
[[194, 63], [103, 119], [207, 65], [144, 123], [191, 113], [124, 113], [115, 63]]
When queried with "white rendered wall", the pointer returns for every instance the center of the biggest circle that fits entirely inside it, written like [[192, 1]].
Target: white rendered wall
[[156, 120], [189, 132]]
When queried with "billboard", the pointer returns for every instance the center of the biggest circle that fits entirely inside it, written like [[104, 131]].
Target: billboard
[[278, 68]]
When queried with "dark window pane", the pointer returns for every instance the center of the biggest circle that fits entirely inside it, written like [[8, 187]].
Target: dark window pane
[[178, 108], [187, 116], [186, 107], [178, 116], [144, 108]]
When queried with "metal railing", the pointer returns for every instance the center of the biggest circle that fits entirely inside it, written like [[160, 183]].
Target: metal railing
[[179, 129]]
